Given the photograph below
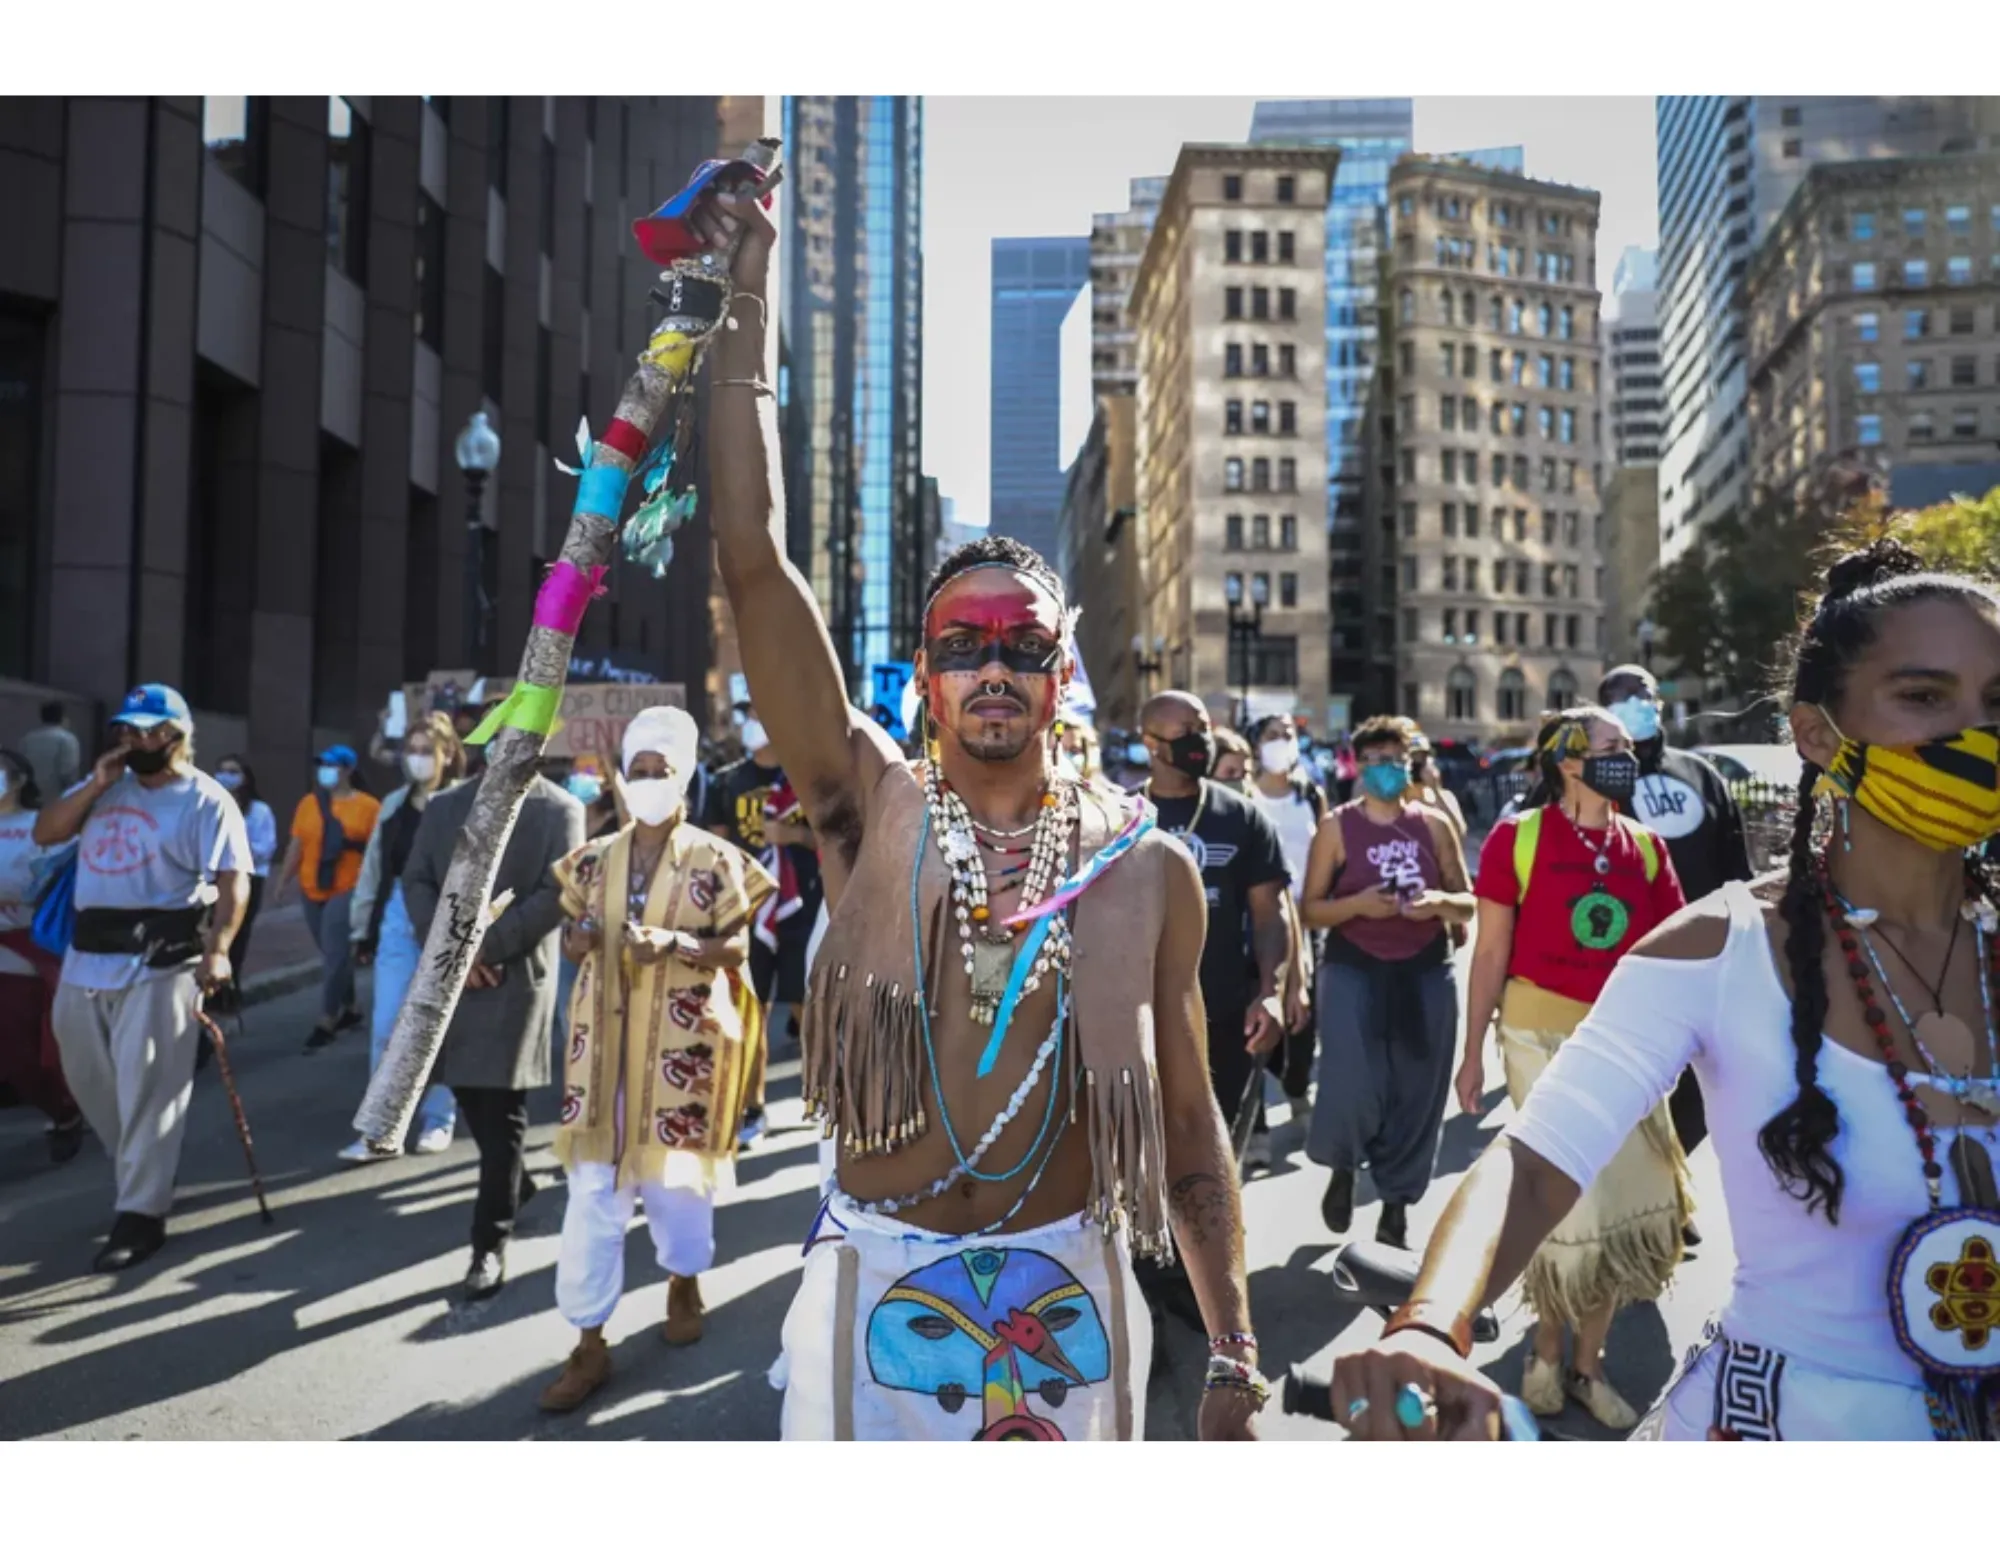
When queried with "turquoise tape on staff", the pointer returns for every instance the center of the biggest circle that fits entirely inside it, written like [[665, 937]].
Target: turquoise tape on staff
[[601, 491]]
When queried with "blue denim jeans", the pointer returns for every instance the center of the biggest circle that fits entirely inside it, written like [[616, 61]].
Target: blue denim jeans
[[396, 957]]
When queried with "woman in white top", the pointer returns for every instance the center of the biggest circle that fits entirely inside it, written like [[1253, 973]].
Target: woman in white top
[[1843, 1033], [1281, 788], [235, 775]]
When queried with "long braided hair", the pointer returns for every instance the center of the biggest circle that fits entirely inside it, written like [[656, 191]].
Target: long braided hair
[[1861, 589]]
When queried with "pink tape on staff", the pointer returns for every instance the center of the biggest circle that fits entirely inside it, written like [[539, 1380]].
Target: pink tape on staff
[[565, 596]]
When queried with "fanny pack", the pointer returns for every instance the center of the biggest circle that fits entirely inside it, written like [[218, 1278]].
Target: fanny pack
[[162, 937]]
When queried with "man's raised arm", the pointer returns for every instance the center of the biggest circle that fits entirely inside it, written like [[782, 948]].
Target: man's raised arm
[[829, 752]]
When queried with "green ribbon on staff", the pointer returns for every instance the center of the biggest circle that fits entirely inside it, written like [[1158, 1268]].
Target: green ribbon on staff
[[527, 707]]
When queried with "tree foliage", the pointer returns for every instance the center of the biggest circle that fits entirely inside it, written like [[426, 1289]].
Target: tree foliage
[[1961, 534]]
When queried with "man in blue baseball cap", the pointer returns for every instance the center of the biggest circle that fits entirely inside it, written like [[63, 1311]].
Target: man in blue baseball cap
[[162, 881]]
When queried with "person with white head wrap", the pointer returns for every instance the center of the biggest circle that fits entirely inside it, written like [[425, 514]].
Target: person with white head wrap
[[662, 1028]]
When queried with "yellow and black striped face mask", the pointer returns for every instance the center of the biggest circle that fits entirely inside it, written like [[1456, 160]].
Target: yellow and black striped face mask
[[1942, 793]]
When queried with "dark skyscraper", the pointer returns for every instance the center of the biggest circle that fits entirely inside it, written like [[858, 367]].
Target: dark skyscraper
[[851, 385], [1035, 280]]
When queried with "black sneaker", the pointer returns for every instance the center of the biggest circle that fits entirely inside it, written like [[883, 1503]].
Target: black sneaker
[[1336, 1208], [487, 1275], [321, 1037], [66, 1140], [134, 1237], [1394, 1229], [350, 1019]]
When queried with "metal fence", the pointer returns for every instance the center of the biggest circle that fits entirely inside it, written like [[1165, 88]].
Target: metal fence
[[1769, 810]]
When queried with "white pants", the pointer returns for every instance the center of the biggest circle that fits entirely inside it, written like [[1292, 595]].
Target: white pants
[[128, 1054], [590, 1270]]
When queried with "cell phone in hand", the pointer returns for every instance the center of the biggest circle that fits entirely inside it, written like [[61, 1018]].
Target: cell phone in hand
[[398, 723]]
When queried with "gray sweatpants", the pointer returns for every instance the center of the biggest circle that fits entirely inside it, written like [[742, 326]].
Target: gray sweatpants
[[128, 1055], [1383, 1076]]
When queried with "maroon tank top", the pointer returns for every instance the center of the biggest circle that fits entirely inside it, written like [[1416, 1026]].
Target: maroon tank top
[[1402, 853]]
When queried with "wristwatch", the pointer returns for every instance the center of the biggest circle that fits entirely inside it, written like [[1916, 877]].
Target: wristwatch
[[1453, 1329]]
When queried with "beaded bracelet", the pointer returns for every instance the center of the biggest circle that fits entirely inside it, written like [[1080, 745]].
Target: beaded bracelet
[[1248, 1380], [1233, 1338]]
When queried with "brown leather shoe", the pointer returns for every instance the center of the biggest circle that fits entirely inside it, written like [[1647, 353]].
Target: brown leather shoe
[[587, 1369], [683, 1327]]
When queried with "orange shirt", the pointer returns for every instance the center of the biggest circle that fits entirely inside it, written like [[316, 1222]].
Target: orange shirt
[[356, 813]]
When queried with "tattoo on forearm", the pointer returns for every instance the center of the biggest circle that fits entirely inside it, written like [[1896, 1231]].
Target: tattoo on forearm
[[1204, 1206]]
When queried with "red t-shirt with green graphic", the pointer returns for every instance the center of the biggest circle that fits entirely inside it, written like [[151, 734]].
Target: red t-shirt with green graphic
[[1575, 925]]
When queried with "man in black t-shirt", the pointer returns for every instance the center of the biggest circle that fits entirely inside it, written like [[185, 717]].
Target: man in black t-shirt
[[741, 800], [1683, 799], [1242, 866]]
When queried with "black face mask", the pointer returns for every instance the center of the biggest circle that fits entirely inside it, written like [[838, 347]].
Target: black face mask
[[146, 763], [1192, 753], [1615, 776]]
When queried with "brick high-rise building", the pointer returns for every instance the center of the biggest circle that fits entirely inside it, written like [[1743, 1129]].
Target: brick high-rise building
[[238, 338], [1486, 492], [1229, 306]]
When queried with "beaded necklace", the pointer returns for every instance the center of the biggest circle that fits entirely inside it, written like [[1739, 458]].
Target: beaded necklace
[[1941, 1273]]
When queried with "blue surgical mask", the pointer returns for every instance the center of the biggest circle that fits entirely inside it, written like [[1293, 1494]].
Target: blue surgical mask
[[230, 778], [1137, 754], [1640, 716], [585, 788], [329, 777], [1385, 780]]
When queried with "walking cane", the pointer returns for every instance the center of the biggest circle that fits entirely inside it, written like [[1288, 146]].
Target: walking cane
[[1246, 1109], [236, 1107]]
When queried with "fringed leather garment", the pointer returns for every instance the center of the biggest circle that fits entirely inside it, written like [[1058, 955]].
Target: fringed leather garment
[[862, 1024]]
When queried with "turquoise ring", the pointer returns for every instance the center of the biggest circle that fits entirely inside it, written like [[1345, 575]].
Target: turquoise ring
[[1413, 1406], [1355, 1409]]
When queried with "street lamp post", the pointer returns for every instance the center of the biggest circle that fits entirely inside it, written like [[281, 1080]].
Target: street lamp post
[[1148, 666], [478, 453], [1245, 627]]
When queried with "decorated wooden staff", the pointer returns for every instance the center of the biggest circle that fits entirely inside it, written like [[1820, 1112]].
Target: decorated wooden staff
[[648, 439]]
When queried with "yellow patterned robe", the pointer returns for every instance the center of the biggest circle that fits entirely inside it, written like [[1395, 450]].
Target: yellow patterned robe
[[654, 1070]]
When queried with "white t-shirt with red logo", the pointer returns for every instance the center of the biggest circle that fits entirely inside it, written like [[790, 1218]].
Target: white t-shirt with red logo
[[156, 848]]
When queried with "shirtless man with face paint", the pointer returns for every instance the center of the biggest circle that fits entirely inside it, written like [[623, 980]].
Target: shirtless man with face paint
[[1003, 1028]]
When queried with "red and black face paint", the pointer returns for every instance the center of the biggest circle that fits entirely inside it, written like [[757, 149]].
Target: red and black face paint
[[970, 632]]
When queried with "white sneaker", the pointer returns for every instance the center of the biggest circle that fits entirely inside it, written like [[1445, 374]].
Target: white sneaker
[[434, 1139], [358, 1152]]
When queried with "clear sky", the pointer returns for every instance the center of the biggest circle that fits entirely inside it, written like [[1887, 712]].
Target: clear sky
[[1041, 166]]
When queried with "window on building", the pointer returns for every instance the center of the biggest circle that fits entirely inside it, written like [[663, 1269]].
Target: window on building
[[429, 318], [1792, 149], [1288, 361], [1789, 118], [1449, 631], [1450, 306], [1499, 577], [1499, 472], [1570, 577], [1448, 413], [347, 189], [1958, 219], [1260, 359], [1260, 304], [1472, 575], [1550, 624], [1232, 303], [1568, 421], [1286, 248], [1260, 418], [1232, 359], [1867, 378], [1965, 424], [1260, 532], [236, 131], [1964, 370], [1448, 359], [1568, 327], [1958, 270], [1521, 473], [1548, 474], [1919, 373], [1517, 419], [1232, 417], [1409, 518], [1513, 695], [1545, 422], [1232, 189], [1571, 626], [1862, 227], [1521, 535], [1518, 368], [1448, 466], [1232, 474], [1288, 418], [1868, 429], [1450, 572], [1232, 533], [1545, 370], [1468, 412], [1962, 321], [1862, 276], [1412, 626], [1916, 323], [1406, 306], [1472, 520], [1288, 475], [1410, 574], [1232, 246], [1494, 315], [1461, 695], [1407, 461], [1572, 528], [1916, 272], [1913, 224], [1288, 590], [1497, 366], [1867, 326], [1287, 190], [1551, 575], [1468, 363], [1288, 305], [1566, 376], [1260, 474], [1288, 533], [1548, 528], [1597, 536], [1413, 700], [1922, 430], [1450, 520], [1517, 313], [1260, 247]]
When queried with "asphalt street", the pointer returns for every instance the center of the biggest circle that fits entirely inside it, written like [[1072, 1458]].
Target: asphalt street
[[341, 1319]]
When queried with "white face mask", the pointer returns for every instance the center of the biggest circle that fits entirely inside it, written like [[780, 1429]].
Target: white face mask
[[1278, 756], [329, 777], [754, 738], [653, 801], [420, 768]]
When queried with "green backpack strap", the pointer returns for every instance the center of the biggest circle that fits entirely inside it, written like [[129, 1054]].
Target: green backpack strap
[[1527, 834]]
